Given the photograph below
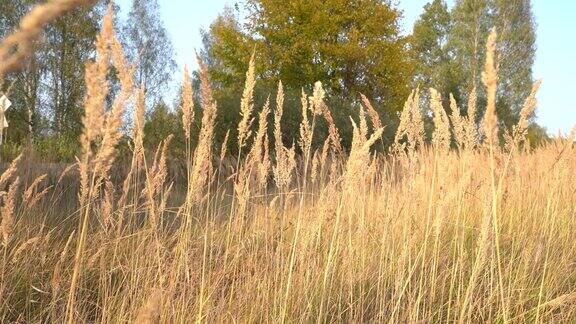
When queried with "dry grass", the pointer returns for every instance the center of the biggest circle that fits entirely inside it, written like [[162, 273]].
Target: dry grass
[[424, 233]]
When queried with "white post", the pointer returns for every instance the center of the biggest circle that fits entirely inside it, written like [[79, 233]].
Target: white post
[[4, 105]]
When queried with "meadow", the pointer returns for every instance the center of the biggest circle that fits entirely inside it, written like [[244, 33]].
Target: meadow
[[470, 225]]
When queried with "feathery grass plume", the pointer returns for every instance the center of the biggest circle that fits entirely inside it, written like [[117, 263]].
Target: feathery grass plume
[[64, 173], [490, 79], [7, 211], [471, 130], [224, 147], [416, 129], [247, 105], [315, 166], [306, 131], [138, 131], [405, 118], [410, 132], [317, 99], [187, 103], [372, 113], [138, 152], [265, 164], [258, 154], [17, 47], [285, 157], [95, 166], [458, 123], [278, 117], [441, 137], [28, 195], [94, 103], [37, 197], [24, 246], [149, 313], [363, 122], [320, 107], [525, 114], [202, 165], [257, 164], [359, 158], [107, 207], [156, 179], [563, 300], [242, 189], [9, 172], [111, 133], [325, 152], [256, 151]]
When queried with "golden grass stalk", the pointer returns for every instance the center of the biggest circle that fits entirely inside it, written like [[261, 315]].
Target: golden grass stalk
[[137, 159], [374, 116], [155, 181], [471, 130], [320, 107], [525, 113], [10, 171], [265, 165], [441, 137], [490, 78], [410, 131], [94, 104], [306, 129], [187, 103], [224, 147], [107, 208], [24, 246], [202, 165], [95, 166], [258, 156], [490, 228], [285, 157], [111, 133], [247, 105], [7, 212], [458, 123], [138, 149], [359, 158], [415, 131], [29, 197]]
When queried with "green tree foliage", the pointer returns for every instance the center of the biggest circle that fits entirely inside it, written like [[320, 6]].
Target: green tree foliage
[[69, 44], [434, 66], [150, 46], [513, 19], [350, 46], [48, 93], [161, 123]]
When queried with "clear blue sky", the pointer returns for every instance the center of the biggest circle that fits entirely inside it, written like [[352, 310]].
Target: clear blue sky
[[555, 57]]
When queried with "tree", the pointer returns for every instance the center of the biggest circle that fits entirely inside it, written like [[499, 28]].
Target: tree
[[150, 46], [69, 44], [516, 53], [350, 46], [21, 86], [434, 66], [48, 92], [514, 22]]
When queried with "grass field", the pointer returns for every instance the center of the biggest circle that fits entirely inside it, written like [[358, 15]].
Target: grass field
[[471, 226]]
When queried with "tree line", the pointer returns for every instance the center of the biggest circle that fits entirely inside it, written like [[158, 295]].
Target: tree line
[[352, 46]]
